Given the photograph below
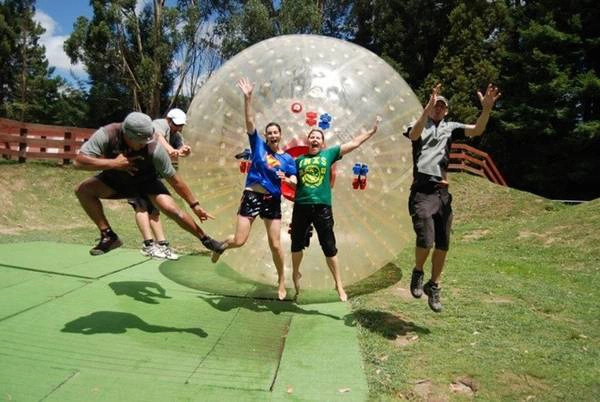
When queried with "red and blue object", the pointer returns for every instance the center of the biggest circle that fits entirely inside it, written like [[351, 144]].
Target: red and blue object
[[296, 107], [311, 118], [360, 176], [325, 121], [245, 162]]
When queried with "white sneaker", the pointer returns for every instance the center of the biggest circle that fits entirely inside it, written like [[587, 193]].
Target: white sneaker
[[168, 252], [153, 251]]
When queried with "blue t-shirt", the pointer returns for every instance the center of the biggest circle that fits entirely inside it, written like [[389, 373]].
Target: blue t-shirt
[[266, 163]]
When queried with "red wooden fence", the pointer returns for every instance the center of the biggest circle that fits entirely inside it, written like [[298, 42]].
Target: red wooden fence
[[39, 141], [465, 158]]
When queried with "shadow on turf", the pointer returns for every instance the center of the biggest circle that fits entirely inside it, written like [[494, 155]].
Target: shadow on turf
[[225, 303], [197, 272], [381, 322], [139, 290], [113, 322]]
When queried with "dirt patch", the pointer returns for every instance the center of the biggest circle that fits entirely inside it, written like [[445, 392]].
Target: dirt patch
[[464, 385], [427, 391], [423, 388], [405, 340], [402, 293], [524, 383], [476, 234], [548, 237], [498, 300]]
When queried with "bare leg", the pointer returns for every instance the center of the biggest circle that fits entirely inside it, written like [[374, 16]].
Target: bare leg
[[421, 255], [167, 204], [156, 225], [143, 223], [296, 260], [273, 227], [242, 232], [437, 264], [332, 263], [89, 192]]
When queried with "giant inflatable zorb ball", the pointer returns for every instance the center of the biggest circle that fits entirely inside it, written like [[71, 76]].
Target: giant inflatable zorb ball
[[304, 81]]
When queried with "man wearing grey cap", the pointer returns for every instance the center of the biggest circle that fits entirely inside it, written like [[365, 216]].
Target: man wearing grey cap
[[131, 164], [430, 203], [147, 217]]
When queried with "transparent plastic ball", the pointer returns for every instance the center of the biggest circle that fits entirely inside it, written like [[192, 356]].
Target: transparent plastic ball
[[300, 82]]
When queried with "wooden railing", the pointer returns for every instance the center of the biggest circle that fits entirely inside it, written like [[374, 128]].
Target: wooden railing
[[465, 158], [39, 141]]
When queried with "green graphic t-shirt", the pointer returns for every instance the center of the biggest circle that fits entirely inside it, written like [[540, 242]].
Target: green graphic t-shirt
[[314, 172]]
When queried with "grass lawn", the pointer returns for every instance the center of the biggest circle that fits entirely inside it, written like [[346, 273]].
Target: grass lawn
[[520, 290]]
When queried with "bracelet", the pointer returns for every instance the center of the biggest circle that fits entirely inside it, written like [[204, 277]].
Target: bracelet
[[194, 204]]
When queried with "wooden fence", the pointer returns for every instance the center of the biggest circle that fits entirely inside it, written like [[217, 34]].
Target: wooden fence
[[465, 158], [39, 141]]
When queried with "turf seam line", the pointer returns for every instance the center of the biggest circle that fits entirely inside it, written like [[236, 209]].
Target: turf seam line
[[44, 302], [47, 272], [123, 269], [73, 375], [281, 349], [214, 345]]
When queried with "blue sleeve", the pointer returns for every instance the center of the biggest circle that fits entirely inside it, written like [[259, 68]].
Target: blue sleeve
[[256, 142]]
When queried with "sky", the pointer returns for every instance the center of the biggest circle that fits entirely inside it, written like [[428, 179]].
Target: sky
[[58, 17]]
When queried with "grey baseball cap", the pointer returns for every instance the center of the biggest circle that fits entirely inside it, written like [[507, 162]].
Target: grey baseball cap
[[138, 127]]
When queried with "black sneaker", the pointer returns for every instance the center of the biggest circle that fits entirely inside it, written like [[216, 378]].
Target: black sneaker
[[416, 283], [213, 245], [432, 290], [106, 244]]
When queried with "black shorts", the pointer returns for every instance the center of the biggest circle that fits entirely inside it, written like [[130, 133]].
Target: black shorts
[[255, 204], [431, 214], [321, 217], [143, 203], [128, 186]]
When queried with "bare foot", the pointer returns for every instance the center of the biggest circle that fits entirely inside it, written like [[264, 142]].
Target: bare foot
[[296, 277], [281, 292], [342, 293]]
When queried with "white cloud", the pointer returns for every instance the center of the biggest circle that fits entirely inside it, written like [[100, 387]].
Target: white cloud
[[54, 46]]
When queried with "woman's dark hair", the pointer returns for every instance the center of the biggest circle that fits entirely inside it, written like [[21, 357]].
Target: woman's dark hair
[[318, 130], [273, 124]]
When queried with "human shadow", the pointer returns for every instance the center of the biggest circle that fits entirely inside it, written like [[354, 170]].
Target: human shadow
[[228, 303], [381, 322], [114, 322], [140, 290]]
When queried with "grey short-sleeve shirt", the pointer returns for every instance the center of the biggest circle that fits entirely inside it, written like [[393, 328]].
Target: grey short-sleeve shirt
[[96, 145], [106, 142], [435, 146], [174, 139], [162, 126]]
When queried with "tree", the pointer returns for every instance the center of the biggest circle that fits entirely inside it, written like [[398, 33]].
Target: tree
[[549, 124], [28, 91], [249, 22], [405, 33], [469, 57], [134, 59]]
